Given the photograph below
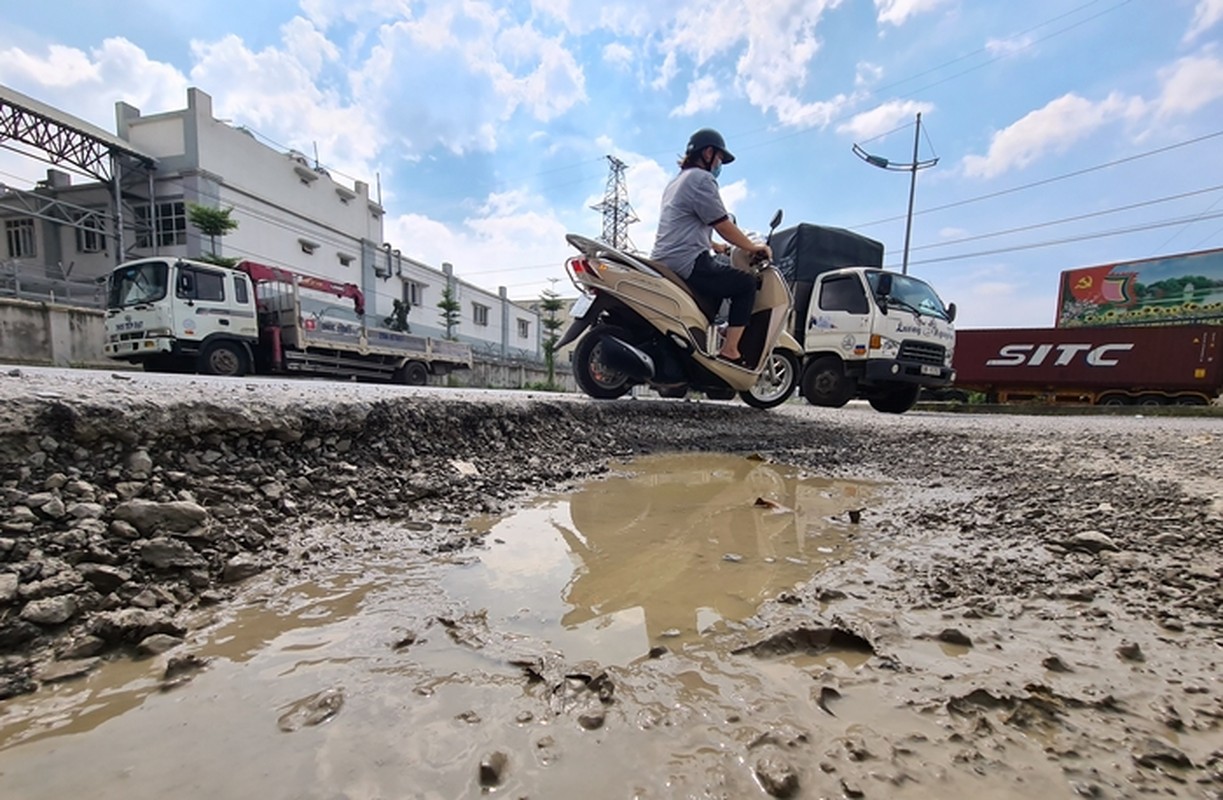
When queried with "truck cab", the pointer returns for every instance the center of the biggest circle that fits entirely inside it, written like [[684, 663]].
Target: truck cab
[[866, 332], [162, 312]]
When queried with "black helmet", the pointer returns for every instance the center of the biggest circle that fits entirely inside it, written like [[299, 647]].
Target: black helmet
[[708, 137]]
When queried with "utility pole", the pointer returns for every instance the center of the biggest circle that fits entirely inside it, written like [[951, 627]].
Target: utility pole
[[912, 167], [617, 213]]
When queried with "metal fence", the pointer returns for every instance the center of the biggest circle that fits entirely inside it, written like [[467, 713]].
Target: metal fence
[[30, 282]]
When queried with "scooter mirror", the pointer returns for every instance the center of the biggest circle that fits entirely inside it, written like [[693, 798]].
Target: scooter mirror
[[776, 219]]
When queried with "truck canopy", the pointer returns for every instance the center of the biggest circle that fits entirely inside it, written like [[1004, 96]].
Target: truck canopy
[[806, 251]]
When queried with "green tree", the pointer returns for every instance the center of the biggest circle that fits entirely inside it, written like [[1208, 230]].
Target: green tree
[[213, 223], [450, 312], [551, 305]]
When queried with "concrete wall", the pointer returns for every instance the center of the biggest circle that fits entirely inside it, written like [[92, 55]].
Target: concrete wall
[[42, 333], [63, 336]]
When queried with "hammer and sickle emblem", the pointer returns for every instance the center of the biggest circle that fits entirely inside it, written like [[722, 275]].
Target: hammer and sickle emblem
[[1084, 282]]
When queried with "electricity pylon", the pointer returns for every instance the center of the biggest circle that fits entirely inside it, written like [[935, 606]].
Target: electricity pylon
[[617, 213]]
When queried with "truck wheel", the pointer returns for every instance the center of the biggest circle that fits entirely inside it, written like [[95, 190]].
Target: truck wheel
[[1151, 400], [1191, 400], [412, 373], [897, 400], [593, 376], [826, 384], [1113, 400], [776, 382], [223, 358]]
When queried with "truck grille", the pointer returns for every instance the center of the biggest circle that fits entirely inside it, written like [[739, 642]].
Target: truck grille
[[922, 352]]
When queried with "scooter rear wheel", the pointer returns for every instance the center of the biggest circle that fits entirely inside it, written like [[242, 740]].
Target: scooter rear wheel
[[593, 376]]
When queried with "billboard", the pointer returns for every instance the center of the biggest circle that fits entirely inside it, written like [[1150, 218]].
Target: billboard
[[1169, 290]]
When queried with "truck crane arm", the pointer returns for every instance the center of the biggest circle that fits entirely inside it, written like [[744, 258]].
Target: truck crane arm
[[263, 272]]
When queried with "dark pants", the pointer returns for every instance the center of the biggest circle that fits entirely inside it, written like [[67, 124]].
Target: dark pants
[[715, 277]]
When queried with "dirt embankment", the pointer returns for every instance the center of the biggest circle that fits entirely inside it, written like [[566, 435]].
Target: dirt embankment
[[1079, 560]]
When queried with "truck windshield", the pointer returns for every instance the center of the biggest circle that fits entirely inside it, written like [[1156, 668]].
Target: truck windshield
[[911, 293], [137, 283]]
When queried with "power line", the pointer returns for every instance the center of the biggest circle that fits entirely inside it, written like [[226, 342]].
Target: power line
[[1076, 218], [1073, 239], [1046, 181]]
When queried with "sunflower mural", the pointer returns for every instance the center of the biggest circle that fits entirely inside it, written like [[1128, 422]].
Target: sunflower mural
[[1179, 289]]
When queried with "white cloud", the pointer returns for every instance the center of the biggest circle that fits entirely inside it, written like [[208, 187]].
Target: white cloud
[[275, 93], [703, 95], [308, 45], [883, 118], [512, 240], [87, 84], [1008, 47], [617, 55], [952, 233], [897, 12], [1205, 16], [1052, 129], [1189, 84], [866, 74]]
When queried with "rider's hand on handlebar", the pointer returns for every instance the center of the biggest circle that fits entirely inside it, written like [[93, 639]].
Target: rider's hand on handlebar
[[761, 253]]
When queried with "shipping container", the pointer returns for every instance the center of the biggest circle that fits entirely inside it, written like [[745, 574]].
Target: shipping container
[[1178, 364]]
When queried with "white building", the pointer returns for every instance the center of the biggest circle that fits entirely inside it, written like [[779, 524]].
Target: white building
[[290, 213]]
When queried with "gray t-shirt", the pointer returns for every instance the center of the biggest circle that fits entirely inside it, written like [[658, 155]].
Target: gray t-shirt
[[691, 205]]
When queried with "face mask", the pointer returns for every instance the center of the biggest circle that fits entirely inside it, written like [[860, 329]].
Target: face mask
[[717, 170]]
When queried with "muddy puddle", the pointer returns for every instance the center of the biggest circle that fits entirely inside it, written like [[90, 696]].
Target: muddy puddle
[[669, 551], [597, 644]]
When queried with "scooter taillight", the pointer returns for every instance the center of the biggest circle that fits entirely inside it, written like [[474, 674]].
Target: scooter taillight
[[580, 265]]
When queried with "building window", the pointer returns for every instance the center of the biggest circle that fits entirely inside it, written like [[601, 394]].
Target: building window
[[345, 260], [90, 236], [163, 224], [479, 314], [413, 293], [524, 328], [19, 234]]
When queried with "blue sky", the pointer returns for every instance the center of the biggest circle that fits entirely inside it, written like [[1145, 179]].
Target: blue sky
[[1068, 132]]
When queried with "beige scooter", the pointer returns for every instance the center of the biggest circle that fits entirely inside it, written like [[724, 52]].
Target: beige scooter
[[640, 323]]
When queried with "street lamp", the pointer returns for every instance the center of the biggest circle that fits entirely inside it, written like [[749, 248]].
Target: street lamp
[[912, 168]]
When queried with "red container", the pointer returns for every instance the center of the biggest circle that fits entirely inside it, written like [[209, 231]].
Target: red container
[[1085, 363]]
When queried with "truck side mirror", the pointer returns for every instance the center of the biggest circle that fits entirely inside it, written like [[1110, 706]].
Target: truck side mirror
[[883, 291], [951, 313]]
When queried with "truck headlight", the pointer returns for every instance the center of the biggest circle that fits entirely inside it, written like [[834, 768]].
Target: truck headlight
[[949, 356], [889, 347], [153, 333]]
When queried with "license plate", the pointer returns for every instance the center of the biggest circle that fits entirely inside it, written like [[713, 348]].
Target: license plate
[[926, 369], [582, 305]]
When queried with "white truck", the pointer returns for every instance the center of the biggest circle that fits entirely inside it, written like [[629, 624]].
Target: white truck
[[177, 315], [866, 332]]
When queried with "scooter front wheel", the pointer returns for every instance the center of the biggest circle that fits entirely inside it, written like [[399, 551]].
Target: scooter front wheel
[[776, 382], [593, 376]]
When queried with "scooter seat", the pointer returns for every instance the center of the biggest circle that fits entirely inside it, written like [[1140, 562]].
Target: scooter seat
[[709, 306]]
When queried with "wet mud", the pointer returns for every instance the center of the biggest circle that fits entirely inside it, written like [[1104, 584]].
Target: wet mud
[[724, 604]]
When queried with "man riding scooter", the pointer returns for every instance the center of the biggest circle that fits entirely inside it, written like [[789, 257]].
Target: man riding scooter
[[692, 209]]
